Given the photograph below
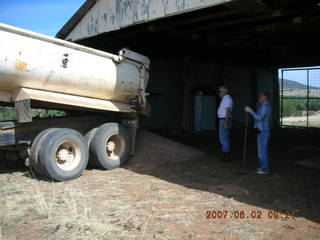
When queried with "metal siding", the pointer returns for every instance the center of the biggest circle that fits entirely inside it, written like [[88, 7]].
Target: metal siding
[[205, 113], [209, 113], [167, 107], [238, 81], [266, 82], [109, 15], [167, 91]]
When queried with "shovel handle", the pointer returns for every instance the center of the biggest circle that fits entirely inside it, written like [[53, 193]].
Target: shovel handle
[[244, 159]]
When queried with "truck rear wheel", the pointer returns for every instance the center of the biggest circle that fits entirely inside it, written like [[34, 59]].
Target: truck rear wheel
[[10, 159], [34, 152], [110, 146], [89, 136], [2, 156], [64, 154]]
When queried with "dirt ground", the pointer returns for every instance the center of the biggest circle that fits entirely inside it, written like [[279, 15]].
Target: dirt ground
[[173, 199], [313, 121]]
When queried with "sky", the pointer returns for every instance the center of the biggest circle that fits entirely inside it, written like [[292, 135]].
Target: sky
[[41, 16], [301, 76]]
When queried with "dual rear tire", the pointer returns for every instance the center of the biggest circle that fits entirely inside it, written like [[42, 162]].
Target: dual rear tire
[[109, 146], [60, 154], [63, 154]]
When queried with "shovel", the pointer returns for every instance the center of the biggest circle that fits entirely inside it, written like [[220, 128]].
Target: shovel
[[243, 170]]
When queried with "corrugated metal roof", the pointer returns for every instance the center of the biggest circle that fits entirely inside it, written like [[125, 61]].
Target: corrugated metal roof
[[75, 19]]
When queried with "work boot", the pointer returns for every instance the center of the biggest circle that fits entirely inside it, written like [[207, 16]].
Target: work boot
[[222, 156], [227, 157], [262, 172]]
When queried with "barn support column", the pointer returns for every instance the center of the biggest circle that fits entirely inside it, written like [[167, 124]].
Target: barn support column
[[186, 126], [276, 98], [254, 86]]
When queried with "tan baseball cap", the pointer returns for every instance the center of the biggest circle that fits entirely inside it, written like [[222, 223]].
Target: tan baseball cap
[[223, 89]]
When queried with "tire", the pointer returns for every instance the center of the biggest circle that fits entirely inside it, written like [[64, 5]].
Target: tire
[[72, 148], [2, 156], [89, 136], [10, 160], [115, 136], [34, 151]]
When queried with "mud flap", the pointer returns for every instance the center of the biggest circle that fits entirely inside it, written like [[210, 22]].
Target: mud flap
[[23, 110]]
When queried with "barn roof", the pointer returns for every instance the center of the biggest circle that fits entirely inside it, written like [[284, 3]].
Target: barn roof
[[75, 19]]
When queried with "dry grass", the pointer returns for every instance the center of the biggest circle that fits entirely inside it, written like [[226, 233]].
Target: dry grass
[[121, 204], [314, 121], [301, 92], [64, 209], [94, 208]]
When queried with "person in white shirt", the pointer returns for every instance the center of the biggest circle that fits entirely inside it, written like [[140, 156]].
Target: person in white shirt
[[225, 121]]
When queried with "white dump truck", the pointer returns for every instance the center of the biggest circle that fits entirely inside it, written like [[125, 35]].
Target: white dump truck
[[103, 93]]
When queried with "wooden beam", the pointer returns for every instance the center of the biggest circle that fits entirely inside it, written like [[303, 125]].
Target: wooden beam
[[214, 15], [249, 7]]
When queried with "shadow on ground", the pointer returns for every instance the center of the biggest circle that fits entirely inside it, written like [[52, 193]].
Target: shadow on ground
[[290, 187]]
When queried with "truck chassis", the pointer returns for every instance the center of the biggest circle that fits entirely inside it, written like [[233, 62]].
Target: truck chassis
[[107, 139]]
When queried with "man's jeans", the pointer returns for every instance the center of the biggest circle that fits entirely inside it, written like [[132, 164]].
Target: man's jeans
[[224, 135], [263, 153]]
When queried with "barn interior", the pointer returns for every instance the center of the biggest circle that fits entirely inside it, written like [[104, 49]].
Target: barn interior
[[239, 44], [193, 50]]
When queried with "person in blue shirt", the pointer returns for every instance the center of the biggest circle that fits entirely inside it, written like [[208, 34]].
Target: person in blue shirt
[[262, 124]]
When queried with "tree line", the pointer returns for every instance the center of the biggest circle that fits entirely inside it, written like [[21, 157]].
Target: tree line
[[298, 107], [9, 113]]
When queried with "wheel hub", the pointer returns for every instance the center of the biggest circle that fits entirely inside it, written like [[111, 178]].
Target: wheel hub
[[115, 146], [111, 146], [68, 155], [63, 155]]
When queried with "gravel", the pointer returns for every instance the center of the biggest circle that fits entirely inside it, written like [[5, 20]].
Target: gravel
[[154, 149]]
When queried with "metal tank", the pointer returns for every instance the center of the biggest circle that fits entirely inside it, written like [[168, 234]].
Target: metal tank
[[34, 61]]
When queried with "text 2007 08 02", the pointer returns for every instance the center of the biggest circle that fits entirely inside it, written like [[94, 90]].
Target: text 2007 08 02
[[254, 214]]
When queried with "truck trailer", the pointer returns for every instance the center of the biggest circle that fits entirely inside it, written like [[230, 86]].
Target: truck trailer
[[103, 93]]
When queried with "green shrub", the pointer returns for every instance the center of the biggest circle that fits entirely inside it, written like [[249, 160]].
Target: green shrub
[[314, 104], [293, 107], [296, 107], [9, 113]]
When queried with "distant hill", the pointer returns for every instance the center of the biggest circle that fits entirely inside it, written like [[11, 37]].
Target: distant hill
[[290, 84]]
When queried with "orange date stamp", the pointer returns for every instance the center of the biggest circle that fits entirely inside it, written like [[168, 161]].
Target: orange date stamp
[[254, 214]]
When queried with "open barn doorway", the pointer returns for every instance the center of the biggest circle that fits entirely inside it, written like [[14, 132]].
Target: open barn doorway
[[300, 97]]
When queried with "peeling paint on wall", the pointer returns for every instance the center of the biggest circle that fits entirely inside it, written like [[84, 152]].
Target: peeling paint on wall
[[110, 15]]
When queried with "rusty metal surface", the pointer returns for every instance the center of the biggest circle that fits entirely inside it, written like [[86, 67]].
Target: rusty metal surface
[[110, 15]]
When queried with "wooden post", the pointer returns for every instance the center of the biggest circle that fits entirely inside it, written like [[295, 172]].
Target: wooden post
[[244, 159]]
